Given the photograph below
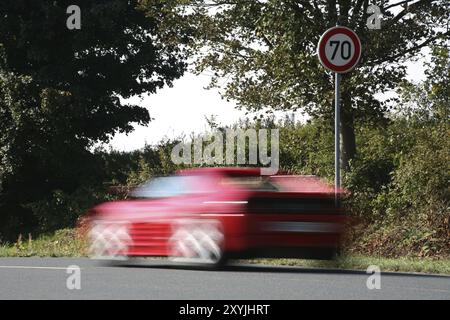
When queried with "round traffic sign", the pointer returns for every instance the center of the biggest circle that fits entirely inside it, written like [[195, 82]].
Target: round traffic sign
[[339, 49]]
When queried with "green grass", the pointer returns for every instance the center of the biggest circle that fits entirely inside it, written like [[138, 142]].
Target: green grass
[[356, 262], [66, 243], [62, 243]]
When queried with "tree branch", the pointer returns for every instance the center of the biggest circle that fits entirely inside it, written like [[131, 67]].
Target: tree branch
[[356, 10], [301, 11], [411, 50], [407, 10], [396, 4], [332, 14]]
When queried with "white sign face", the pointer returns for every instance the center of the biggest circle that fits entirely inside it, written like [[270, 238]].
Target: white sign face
[[339, 49]]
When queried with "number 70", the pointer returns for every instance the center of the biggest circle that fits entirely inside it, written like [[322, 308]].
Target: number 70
[[345, 49]]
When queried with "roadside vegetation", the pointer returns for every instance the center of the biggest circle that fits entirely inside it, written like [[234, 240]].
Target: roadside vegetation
[[360, 262], [396, 153], [68, 243], [61, 243], [398, 183]]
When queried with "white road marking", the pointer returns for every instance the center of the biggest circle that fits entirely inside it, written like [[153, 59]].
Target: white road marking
[[30, 267]]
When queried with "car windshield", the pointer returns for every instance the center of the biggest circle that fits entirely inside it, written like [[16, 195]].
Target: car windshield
[[164, 187]]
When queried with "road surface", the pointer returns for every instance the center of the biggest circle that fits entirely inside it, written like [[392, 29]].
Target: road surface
[[46, 278]]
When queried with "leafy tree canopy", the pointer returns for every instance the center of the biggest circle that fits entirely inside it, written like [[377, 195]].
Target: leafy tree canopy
[[263, 53], [62, 90]]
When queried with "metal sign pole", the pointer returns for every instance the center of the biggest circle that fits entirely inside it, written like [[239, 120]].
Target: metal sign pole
[[330, 44], [337, 120]]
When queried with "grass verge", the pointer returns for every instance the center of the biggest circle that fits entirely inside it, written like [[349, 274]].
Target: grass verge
[[66, 243], [62, 243], [359, 262]]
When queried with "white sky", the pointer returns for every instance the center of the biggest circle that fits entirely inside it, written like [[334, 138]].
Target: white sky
[[182, 109]]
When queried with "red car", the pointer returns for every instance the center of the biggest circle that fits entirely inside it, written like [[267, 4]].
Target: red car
[[211, 214]]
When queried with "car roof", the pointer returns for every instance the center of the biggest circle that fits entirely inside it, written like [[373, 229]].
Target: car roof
[[232, 171], [308, 184], [304, 184]]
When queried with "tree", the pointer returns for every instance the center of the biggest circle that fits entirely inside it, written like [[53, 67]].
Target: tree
[[429, 101], [62, 90], [263, 53]]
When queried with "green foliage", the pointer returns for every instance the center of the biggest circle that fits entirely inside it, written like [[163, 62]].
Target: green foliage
[[153, 161], [307, 148], [405, 202], [408, 206], [360, 262], [61, 243], [62, 210], [63, 90], [263, 53]]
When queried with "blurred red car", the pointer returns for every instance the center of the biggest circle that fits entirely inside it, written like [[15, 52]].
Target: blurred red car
[[211, 214]]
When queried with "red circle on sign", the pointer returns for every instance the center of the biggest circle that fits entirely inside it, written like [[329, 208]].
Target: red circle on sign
[[356, 43]]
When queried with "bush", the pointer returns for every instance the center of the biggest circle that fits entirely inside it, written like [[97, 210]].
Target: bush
[[62, 210], [406, 211]]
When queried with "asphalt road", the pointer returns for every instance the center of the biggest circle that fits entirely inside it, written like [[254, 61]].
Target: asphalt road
[[46, 278]]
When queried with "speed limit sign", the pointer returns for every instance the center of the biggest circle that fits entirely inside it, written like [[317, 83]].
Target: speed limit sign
[[339, 49]]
